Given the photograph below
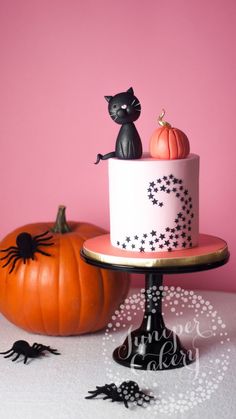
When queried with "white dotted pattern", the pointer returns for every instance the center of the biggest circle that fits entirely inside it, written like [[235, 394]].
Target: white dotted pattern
[[204, 379]]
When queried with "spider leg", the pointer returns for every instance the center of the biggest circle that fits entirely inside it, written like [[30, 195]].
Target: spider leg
[[92, 395], [12, 252], [42, 252], [35, 345], [25, 360], [14, 263], [126, 403], [39, 346], [42, 348], [9, 248], [10, 259], [42, 240], [16, 357], [41, 235], [6, 352], [8, 356], [44, 244], [53, 351]]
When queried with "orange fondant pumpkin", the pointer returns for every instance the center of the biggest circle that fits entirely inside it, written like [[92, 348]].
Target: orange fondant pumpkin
[[57, 294], [168, 143]]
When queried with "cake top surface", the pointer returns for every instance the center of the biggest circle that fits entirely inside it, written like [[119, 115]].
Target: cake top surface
[[147, 157]]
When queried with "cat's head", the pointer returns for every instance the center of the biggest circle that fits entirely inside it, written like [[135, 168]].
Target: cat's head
[[124, 107]]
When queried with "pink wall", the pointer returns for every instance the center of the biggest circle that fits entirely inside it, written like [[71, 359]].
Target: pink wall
[[58, 60]]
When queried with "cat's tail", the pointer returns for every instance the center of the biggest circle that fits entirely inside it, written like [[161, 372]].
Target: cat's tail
[[105, 156]]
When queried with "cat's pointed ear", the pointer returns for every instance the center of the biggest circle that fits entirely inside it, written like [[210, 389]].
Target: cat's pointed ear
[[130, 90], [108, 98]]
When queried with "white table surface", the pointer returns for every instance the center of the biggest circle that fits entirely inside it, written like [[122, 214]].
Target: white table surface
[[54, 387]]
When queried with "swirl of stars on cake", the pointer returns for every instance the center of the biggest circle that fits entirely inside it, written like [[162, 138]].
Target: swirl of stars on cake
[[176, 236]]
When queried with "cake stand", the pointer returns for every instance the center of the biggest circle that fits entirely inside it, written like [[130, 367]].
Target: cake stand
[[153, 345]]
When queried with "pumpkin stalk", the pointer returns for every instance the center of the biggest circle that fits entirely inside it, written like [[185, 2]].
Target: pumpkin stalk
[[61, 226], [160, 120]]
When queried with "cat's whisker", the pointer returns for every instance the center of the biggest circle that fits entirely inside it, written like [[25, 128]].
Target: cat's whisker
[[133, 102], [137, 104]]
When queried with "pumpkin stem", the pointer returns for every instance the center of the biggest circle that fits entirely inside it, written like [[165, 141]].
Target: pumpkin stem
[[61, 225], [161, 122]]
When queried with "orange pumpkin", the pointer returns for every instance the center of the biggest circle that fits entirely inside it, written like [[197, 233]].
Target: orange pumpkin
[[168, 143], [58, 294]]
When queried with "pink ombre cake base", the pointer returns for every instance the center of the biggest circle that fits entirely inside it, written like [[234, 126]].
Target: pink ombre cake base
[[154, 204]]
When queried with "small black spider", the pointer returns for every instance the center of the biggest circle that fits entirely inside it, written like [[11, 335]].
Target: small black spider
[[26, 247], [21, 347], [127, 392]]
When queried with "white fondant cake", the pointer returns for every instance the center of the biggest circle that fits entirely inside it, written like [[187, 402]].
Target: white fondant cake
[[154, 204]]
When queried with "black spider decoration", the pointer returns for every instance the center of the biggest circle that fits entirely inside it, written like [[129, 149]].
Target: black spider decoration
[[21, 347], [127, 392], [26, 247]]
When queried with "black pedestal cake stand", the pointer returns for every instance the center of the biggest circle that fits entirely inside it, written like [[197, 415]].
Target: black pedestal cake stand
[[153, 343]]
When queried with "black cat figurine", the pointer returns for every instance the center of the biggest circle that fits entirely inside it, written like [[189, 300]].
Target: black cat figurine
[[124, 108]]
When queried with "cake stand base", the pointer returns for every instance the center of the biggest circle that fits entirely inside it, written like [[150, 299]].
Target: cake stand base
[[152, 346]]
